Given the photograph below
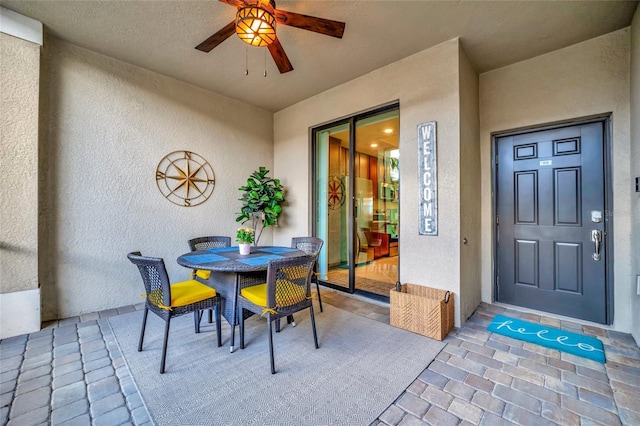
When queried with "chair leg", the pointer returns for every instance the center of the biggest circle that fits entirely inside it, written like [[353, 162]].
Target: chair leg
[[313, 326], [273, 365], [197, 316], [144, 324], [319, 298], [234, 320], [210, 316], [216, 309], [242, 328], [290, 320], [164, 345]]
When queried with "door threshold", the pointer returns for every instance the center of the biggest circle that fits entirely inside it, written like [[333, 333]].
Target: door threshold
[[554, 316], [357, 296]]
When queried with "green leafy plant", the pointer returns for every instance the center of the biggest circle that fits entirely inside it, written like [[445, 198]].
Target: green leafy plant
[[394, 168], [262, 200], [394, 163], [245, 235]]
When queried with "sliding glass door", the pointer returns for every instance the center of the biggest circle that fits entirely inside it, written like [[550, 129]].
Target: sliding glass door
[[356, 175]]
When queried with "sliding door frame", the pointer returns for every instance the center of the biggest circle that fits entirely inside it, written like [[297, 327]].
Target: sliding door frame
[[351, 121]]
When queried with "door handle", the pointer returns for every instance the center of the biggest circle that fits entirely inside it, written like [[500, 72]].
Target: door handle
[[596, 237]]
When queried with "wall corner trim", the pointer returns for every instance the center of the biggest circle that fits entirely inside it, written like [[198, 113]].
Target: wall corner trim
[[19, 313], [16, 25]]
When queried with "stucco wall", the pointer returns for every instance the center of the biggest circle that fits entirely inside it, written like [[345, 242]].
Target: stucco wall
[[19, 87], [108, 124], [635, 171], [469, 188], [427, 87], [585, 79]]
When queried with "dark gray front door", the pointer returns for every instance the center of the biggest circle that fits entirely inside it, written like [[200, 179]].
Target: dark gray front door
[[550, 212]]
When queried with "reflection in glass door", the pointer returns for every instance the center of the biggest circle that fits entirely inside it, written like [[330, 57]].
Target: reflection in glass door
[[356, 201], [333, 209]]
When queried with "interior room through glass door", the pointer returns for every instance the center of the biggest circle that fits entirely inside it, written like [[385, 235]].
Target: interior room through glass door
[[357, 201], [331, 171]]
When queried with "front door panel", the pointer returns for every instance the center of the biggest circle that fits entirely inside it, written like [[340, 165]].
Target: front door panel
[[550, 193]]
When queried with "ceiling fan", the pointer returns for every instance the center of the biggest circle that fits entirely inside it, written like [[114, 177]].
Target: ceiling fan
[[255, 24]]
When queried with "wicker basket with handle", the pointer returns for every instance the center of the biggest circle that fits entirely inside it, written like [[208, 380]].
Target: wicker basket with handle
[[423, 310]]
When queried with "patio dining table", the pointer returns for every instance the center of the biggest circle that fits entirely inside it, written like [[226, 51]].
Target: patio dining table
[[229, 268]]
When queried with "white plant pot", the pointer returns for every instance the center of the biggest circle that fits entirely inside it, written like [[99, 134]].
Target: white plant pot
[[245, 248]]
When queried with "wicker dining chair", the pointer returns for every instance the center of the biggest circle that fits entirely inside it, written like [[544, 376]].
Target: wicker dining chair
[[287, 290], [201, 243], [310, 245], [171, 300]]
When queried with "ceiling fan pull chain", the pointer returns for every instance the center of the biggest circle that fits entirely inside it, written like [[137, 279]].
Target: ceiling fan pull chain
[[265, 62], [246, 60]]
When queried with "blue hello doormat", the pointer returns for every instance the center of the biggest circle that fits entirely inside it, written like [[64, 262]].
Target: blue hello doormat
[[566, 341]]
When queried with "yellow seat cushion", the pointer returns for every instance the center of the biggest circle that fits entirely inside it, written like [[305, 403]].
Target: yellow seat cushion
[[290, 295], [191, 291], [203, 274]]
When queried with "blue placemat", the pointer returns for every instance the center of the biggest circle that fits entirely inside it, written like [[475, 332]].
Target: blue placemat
[[566, 341], [259, 260], [199, 259], [277, 250], [223, 249]]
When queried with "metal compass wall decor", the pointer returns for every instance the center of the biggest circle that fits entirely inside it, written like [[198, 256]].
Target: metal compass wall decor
[[185, 178], [336, 192]]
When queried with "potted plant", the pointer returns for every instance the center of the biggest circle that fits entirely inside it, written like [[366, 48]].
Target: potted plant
[[262, 200], [245, 236]]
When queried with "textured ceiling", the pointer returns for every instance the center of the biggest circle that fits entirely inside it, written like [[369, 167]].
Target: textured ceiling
[[161, 36]]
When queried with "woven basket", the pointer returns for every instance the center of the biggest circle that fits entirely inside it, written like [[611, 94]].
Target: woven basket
[[423, 310]]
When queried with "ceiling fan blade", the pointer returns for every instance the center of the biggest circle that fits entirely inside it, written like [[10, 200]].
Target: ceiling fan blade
[[280, 57], [234, 3], [311, 23], [217, 38]]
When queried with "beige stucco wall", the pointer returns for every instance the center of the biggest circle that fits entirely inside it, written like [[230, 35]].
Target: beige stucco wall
[[427, 87], [585, 79], [635, 172], [108, 124], [19, 87], [469, 188]]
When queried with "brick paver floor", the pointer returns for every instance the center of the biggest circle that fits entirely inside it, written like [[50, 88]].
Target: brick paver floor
[[72, 373]]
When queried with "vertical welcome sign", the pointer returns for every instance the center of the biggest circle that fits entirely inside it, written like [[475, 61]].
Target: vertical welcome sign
[[427, 175]]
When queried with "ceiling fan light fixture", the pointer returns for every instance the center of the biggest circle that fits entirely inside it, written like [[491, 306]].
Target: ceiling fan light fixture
[[256, 26]]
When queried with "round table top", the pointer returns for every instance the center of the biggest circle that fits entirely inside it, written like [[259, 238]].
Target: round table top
[[229, 259]]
